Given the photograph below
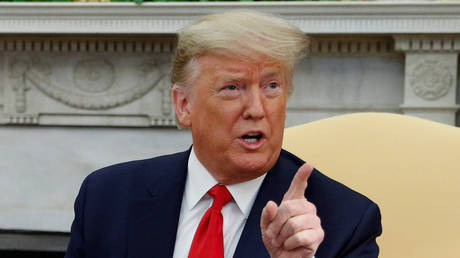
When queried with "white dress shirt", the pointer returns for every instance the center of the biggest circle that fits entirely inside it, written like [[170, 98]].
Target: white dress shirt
[[196, 202]]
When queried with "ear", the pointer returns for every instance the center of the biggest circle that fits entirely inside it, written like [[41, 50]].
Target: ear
[[182, 105]]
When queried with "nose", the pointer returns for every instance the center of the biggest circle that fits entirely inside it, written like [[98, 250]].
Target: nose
[[253, 104]]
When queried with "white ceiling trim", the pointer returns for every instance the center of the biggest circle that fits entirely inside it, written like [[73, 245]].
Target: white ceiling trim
[[168, 18]]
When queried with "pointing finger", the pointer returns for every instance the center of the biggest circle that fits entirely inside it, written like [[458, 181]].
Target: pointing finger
[[299, 183]]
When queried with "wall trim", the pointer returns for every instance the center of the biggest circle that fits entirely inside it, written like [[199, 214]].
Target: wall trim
[[167, 18], [107, 44], [427, 43]]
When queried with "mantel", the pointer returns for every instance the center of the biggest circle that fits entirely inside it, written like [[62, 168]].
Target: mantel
[[168, 18]]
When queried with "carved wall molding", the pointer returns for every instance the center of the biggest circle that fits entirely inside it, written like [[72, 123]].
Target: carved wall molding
[[93, 75], [162, 121], [312, 17], [430, 79], [88, 89], [430, 75], [100, 35], [430, 85], [348, 45], [17, 71], [23, 120], [425, 43], [166, 98], [40, 75], [61, 43]]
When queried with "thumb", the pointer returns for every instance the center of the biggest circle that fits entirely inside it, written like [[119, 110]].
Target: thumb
[[268, 214]]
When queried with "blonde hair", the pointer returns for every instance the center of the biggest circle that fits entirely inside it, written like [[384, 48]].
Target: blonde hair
[[246, 34]]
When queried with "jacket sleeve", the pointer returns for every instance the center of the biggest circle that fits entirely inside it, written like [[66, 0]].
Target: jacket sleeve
[[363, 242], [75, 248]]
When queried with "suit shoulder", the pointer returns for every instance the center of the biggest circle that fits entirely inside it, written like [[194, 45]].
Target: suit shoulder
[[132, 169]]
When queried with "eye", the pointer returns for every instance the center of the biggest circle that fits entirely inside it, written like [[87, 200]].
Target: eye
[[272, 85], [230, 91], [230, 87], [273, 89]]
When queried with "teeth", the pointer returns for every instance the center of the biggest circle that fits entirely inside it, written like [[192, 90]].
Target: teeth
[[252, 137], [251, 140]]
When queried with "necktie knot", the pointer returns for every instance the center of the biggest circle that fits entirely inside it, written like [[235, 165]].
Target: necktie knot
[[221, 196]]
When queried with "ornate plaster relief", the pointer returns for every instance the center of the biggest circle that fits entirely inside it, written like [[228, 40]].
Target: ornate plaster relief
[[430, 76], [123, 82]]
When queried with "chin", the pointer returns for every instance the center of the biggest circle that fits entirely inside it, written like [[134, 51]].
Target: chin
[[255, 164]]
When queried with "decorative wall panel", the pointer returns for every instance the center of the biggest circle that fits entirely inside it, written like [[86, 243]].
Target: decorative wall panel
[[98, 82], [431, 67]]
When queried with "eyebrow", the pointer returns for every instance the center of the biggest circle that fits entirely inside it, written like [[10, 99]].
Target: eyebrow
[[234, 74], [272, 74], [268, 71], [225, 75]]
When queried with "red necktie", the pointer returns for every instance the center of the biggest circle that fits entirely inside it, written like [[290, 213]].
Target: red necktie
[[208, 241]]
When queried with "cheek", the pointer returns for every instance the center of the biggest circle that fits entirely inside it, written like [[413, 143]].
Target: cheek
[[228, 112], [277, 112], [218, 116], [277, 116]]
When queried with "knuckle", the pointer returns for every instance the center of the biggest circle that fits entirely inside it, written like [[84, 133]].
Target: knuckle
[[270, 231], [321, 235], [301, 239], [297, 206], [287, 209], [317, 221], [296, 239], [267, 233], [292, 226], [304, 203], [290, 207], [307, 241], [311, 207]]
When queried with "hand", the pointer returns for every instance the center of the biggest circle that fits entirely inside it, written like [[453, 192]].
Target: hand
[[293, 229]]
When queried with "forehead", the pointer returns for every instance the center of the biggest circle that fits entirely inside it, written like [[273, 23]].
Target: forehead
[[219, 65]]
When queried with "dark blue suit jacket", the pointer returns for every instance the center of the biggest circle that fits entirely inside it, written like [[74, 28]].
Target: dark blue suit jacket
[[131, 210]]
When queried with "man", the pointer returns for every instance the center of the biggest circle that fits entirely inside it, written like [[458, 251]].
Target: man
[[234, 193]]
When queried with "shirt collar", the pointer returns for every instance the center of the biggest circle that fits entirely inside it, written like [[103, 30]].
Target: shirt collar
[[199, 181]]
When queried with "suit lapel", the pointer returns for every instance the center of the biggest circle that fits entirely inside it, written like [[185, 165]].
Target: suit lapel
[[154, 213], [273, 188]]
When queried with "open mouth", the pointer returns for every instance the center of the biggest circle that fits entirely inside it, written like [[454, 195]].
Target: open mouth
[[252, 137]]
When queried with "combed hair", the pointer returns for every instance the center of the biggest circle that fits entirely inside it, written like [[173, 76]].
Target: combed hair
[[246, 34]]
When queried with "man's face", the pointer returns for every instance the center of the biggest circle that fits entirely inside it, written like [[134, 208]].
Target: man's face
[[236, 112]]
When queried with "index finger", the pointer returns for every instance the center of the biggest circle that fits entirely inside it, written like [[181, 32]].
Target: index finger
[[299, 183]]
